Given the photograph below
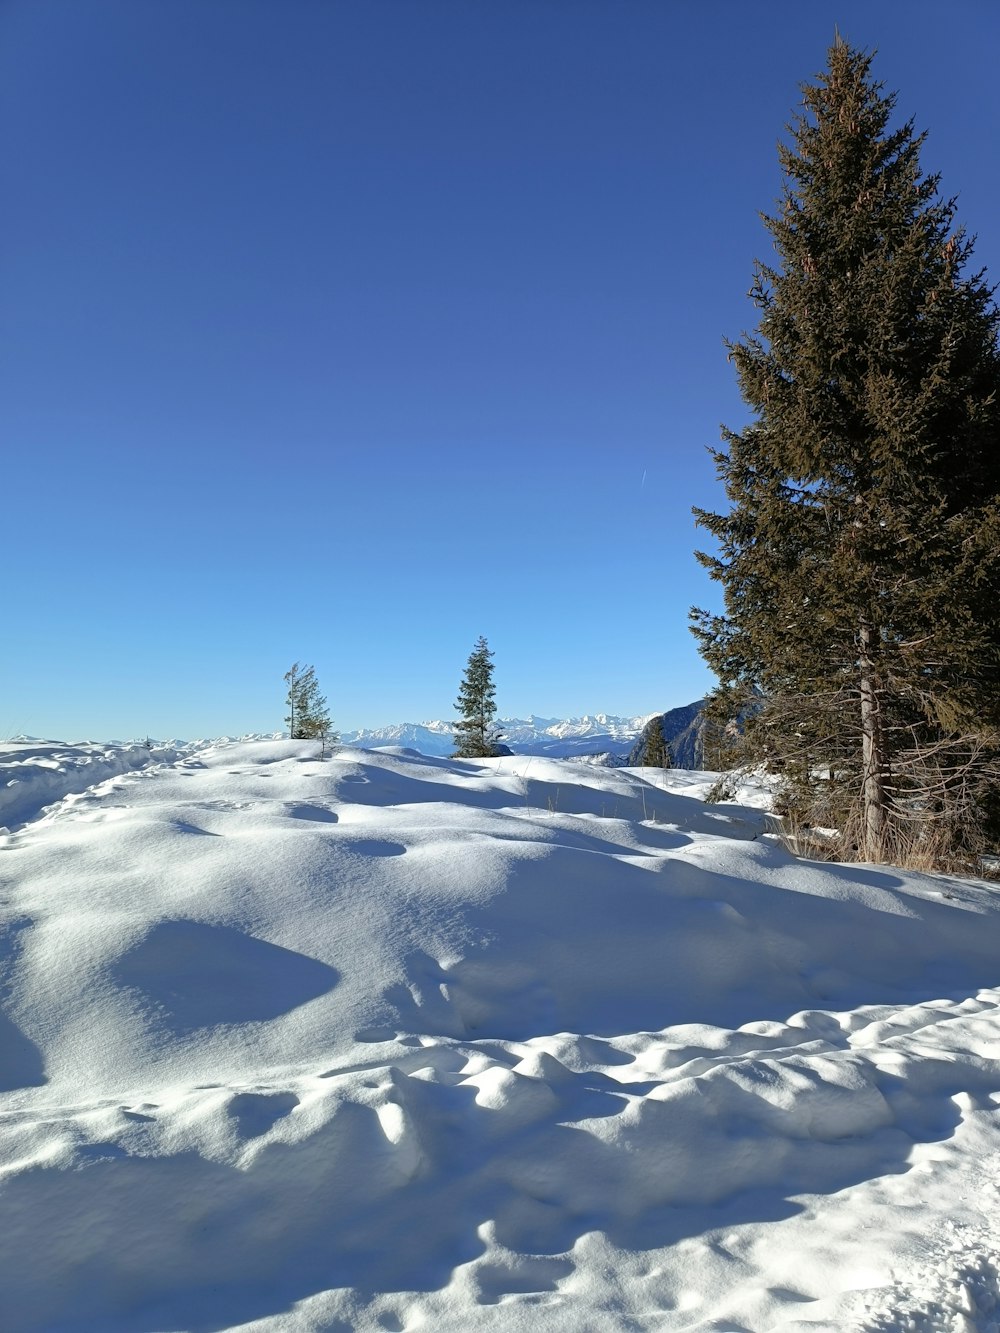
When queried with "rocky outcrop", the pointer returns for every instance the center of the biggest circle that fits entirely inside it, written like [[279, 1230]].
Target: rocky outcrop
[[682, 728]]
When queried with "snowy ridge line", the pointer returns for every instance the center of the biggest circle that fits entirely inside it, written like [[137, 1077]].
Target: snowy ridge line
[[38, 775]]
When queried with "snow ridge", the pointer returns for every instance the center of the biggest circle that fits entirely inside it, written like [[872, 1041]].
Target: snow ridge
[[35, 774]]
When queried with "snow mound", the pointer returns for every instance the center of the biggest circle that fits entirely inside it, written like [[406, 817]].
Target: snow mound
[[390, 1041]]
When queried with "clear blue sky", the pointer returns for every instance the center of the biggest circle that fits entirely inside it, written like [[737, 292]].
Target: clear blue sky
[[347, 332]]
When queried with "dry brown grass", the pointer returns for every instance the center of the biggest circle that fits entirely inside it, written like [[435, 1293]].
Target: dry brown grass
[[926, 845]]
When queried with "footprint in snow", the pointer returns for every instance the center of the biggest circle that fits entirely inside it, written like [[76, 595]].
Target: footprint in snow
[[225, 805], [374, 847], [371, 1035], [319, 814], [256, 1112], [522, 1276]]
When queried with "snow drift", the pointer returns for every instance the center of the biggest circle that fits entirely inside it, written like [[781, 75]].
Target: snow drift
[[392, 1041]]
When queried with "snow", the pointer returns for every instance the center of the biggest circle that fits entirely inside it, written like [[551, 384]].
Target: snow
[[393, 1041], [36, 773]]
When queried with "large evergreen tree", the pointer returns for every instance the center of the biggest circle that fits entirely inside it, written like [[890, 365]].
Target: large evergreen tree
[[476, 736], [860, 558]]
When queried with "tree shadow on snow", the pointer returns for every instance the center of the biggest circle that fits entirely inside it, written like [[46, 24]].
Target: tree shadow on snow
[[635, 949], [621, 796], [21, 1062], [192, 975]]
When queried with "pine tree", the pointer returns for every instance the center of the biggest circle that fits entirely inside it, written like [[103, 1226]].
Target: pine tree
[[308, 715], [860, 558], [476, 736], [656, 753]]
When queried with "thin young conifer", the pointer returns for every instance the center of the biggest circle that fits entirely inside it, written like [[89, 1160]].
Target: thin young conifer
[[476, 735], [308, 716]]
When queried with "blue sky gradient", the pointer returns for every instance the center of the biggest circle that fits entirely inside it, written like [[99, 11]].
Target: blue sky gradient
[[347, 332]]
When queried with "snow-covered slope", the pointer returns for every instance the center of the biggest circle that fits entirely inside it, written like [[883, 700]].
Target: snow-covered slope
[[558, 738], [34, 773], [397, 1042]]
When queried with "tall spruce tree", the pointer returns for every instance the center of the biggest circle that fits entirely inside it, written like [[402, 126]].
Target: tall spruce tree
[[860, 558], [476, 736], [308, 715]]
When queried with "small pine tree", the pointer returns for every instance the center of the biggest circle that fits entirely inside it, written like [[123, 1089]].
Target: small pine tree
[[657, 751], [292, 699], [476, 736], [308, 715]]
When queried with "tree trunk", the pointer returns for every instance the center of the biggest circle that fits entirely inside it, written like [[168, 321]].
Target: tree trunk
[[873, 756]]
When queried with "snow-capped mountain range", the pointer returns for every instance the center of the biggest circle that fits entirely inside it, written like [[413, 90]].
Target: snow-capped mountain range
[[602, 738], [558, 738]]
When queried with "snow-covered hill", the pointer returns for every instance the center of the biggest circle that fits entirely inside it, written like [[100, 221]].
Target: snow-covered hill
[[399, 1042], [559, 738]]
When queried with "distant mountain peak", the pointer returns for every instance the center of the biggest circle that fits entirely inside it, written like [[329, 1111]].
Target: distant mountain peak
[[593, 734]]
